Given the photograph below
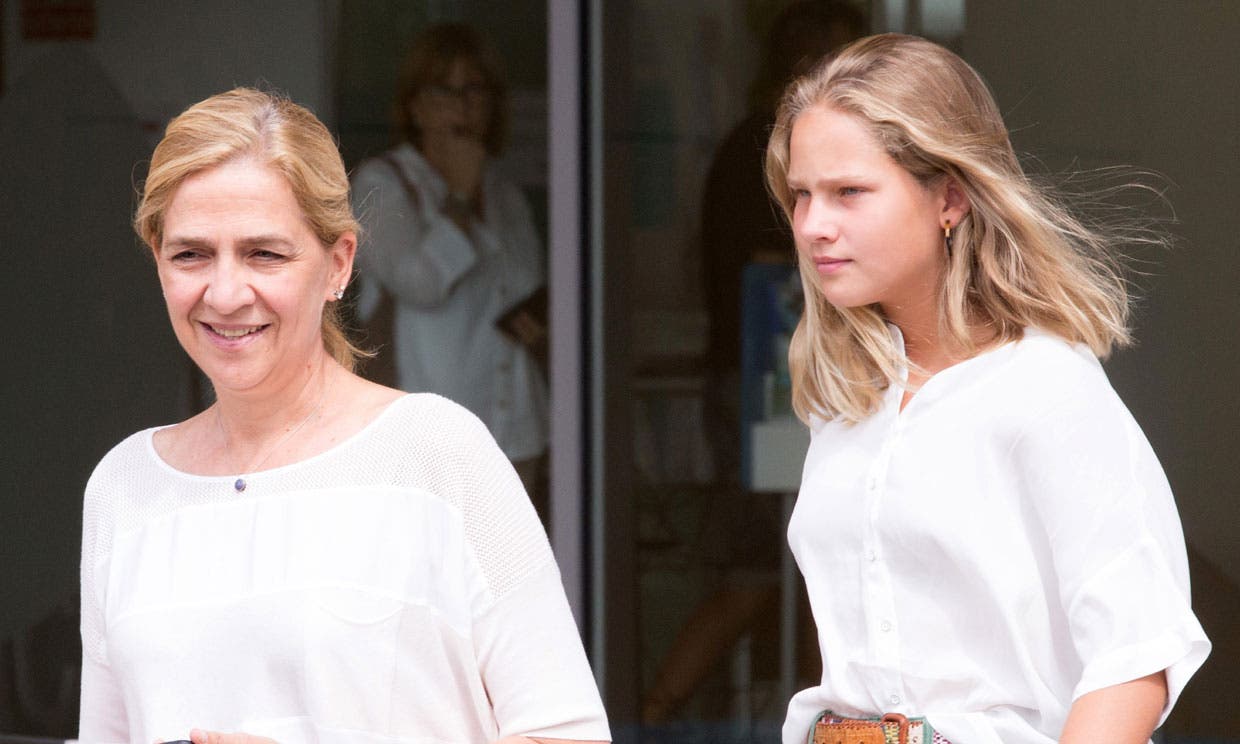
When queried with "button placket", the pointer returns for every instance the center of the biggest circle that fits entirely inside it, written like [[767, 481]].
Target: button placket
[[881, 613]]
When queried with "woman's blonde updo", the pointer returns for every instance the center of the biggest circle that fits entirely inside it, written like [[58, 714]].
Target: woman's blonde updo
[[1020, 259], [249, 123]]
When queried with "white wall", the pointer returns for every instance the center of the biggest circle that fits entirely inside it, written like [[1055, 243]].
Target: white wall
[[1154, 85]]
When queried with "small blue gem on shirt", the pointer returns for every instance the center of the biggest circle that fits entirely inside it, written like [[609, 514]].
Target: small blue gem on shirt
[[239, 485]]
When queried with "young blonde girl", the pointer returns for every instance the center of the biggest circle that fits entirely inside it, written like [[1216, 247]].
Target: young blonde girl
[[988, 540]]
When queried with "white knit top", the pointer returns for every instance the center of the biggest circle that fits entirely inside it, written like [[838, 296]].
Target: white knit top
[[396, 588]]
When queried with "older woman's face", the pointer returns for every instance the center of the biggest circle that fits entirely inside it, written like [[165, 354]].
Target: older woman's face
[[460, 104], [245, 277]]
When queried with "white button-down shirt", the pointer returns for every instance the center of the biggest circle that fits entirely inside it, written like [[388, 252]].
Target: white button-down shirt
[[450, 286], [1005, 544]]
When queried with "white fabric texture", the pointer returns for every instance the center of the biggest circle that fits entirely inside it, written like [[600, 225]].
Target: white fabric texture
[[396, 588], [450, 287], [1005, 544]]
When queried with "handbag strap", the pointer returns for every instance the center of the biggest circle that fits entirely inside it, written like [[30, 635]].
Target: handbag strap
[[410, 189]]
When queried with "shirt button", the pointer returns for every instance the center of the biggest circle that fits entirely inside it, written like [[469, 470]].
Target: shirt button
[[886, 626], [895, 699], [872, 556], [872, 484]]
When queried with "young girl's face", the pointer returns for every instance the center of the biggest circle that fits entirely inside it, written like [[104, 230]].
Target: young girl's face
[[872, 231]]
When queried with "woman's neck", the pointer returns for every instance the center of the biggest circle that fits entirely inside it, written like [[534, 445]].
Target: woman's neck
[[250, 419]]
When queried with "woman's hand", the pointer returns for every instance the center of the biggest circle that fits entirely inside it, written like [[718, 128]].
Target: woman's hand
[[459, 156], [198, 736]]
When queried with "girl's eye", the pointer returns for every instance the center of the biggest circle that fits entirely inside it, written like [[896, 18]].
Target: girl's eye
[[265, 255], [849, 191], [801, 193], [183, 256]]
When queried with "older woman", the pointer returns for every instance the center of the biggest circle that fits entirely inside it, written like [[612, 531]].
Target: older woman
[[452, 245], [314, 557]]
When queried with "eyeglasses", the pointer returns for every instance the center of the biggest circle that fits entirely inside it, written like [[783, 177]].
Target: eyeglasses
[[473, 95]]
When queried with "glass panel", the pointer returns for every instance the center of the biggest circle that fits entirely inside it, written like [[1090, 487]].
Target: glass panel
[[702, 615]]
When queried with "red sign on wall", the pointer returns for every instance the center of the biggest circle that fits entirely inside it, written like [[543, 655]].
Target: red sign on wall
[[58, 20]]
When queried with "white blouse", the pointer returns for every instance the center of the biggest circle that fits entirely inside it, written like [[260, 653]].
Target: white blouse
[[397, 588], [1005, 544]]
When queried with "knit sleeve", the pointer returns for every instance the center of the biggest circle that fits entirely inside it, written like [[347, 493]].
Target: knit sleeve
[[502, 529], [529, 651], [102, 716]]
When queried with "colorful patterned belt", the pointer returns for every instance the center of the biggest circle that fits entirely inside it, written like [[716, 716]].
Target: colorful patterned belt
[[892, 728]]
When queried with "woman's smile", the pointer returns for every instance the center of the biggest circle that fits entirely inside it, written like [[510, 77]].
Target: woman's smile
[[233, 333]]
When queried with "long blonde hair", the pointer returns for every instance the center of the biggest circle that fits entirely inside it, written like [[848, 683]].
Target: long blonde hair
[[282, 135], [1020, 257]]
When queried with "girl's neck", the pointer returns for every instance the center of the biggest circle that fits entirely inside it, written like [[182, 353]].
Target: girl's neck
[[930, 350], [925, 346]]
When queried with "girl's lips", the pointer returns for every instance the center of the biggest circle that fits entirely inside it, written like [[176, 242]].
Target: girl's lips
[[827, 265]]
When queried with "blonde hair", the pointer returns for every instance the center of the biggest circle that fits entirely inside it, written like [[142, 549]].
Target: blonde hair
[[1020, 258], [249, 123]]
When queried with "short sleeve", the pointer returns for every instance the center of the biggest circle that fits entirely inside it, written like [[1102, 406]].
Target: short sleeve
[[1118, 550], [529, 651]]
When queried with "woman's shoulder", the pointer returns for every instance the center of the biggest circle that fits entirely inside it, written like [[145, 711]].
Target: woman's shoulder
[[129, 453], [431, 421]]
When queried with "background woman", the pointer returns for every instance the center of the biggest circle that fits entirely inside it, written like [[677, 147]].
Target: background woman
[[987, 538], [452, 245], [314, 557]]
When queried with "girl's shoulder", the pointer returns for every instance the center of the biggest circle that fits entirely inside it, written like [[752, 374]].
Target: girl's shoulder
[[1044, 365]]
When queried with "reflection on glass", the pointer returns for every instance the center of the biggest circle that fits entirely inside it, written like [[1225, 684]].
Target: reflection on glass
[[714, 624], [452, 269]]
